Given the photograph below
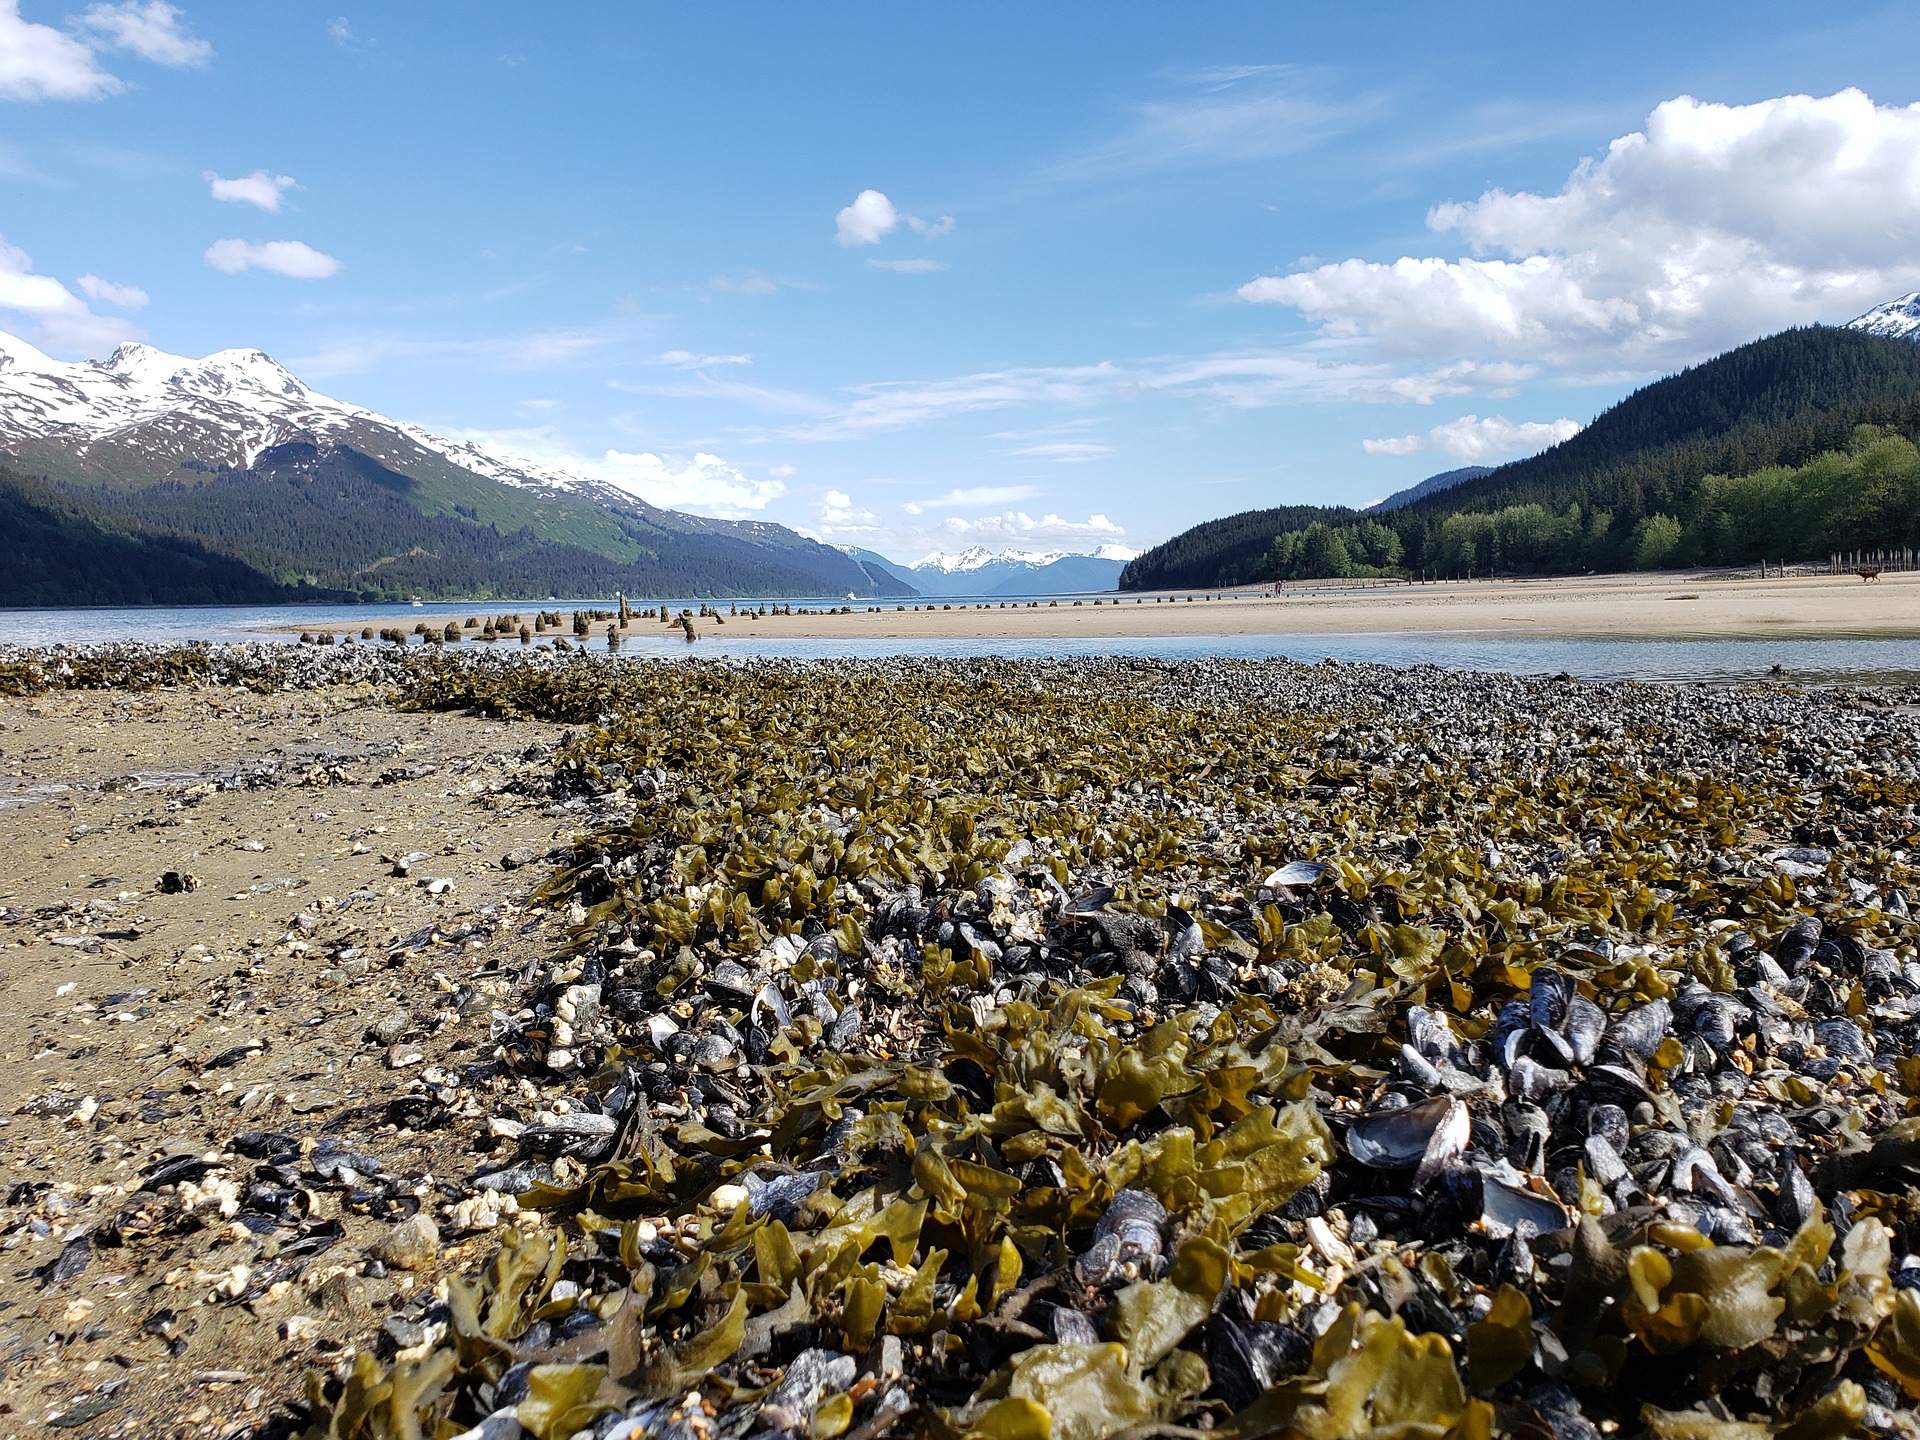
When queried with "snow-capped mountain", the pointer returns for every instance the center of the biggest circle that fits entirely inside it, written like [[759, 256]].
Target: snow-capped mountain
[[1895, 320], [978, 557], [225, 408], [130, 430], [979, 571]]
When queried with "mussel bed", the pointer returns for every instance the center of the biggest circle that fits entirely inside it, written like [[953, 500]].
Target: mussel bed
[[1021, 1050]]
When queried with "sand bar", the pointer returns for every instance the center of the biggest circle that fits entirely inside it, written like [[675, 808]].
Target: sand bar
[[1660, 606], [1652, 606]]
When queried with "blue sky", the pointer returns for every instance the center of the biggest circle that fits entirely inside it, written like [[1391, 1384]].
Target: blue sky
[[913, 276]]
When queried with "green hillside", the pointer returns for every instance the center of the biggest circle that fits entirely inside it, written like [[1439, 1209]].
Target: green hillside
[[1784, 449], [56, 549], [332, 518]]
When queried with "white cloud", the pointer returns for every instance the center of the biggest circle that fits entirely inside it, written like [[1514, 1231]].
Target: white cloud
[[62, 320], [293, 258], [899, 405], [1018, 527], [872, 217], [1472, 438], [970, 496], [261, 188], [1242, 381], [152, 30], [781, 472], [541, 350], [837, 514], [688, 360], [909, 267], [703, 485], [869, 219], [127, 297], [340, 32], [752, 283], [1225, 115], [1715, 224], [1067, 452], [1396, 445], [38, 62]]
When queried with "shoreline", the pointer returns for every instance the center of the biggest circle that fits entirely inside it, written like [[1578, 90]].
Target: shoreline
[[1654, 607]]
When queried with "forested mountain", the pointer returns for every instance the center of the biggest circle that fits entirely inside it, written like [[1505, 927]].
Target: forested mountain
[[328, 517], [57, 549], [1787, 448], [1445, 480], [1223, 552], [199, 449]]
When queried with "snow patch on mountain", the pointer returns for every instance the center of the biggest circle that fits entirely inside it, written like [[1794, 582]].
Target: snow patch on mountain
[[1895, 320], [977, 557], [228, 406]]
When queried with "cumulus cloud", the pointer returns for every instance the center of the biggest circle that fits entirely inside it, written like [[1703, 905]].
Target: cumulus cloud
[[909, 267], [127, 297], [781, 472], [1472, 438], [837, 514], [970, 496], [61, 319], [153, 30], [1016, 527], [872, 217], [705, 484], [38, 62], [867, 221], [293, 258], [261, 188], [1713, 225]]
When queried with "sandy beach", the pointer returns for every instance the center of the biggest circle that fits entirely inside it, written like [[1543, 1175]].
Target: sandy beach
[[1658, 606]]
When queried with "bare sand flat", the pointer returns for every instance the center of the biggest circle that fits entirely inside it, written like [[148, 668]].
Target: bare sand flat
[[1658, 606]]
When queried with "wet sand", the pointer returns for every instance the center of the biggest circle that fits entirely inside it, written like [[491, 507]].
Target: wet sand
[[1656, 606], [1659, 606]]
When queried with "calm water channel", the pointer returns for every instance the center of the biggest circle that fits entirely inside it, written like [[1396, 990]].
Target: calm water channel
[[1623, 658]]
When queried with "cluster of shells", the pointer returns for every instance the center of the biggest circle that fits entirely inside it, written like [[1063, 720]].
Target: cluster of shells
[[1112, 1047]]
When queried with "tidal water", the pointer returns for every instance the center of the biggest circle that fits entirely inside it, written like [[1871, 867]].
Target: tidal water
[[1622, 658]]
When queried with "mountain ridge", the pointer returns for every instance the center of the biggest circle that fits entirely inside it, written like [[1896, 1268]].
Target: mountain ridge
[[111, 429], [1658, 477], [979, 571]]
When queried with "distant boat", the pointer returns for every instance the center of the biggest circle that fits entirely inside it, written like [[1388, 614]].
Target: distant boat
[[416, 605]]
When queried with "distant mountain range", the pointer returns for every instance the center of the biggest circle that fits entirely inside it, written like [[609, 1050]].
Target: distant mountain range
[[1795, 446], [153, 478], [978, 571]]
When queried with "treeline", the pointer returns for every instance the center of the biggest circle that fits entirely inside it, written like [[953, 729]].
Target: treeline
[[1222, 552], [1672, 475], [59, 550], [1865, 497]]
